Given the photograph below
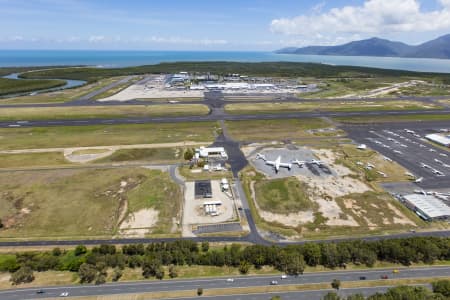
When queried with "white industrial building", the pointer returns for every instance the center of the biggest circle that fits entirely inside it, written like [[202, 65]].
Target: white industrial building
[[440, 139], [428, 207], [206, 152]]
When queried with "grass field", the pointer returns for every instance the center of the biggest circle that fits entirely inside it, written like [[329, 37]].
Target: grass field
[[282, 196], [32, 160], [345, 86], [12, 86], [77, 203], [289, 107], [104, 135], [381, 119], [160, 193], [265, 130], [352, 156], [424, 90], [98, 112], [153, 155]]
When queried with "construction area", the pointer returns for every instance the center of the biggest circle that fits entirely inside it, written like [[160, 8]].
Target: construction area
[[208, 202]]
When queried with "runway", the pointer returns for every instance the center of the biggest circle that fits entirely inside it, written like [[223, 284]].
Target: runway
[[214, 117]]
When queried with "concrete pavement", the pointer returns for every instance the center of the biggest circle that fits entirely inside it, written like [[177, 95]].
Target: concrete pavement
[[214, 283]]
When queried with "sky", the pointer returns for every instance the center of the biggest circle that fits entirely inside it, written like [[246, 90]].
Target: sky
[[238, 25]]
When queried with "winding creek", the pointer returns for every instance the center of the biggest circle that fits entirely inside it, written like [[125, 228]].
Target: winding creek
[[69, 84]]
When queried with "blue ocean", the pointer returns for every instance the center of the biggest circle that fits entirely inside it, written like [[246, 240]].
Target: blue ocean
[[109, 59]]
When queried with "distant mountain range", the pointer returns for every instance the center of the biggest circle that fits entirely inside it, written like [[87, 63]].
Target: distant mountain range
[[438, 48]]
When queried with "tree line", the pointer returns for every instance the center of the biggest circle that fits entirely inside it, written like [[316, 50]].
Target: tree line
[[92, 264]]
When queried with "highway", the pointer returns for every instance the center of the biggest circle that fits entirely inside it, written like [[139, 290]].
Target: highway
[[215, 283], [300, 295]]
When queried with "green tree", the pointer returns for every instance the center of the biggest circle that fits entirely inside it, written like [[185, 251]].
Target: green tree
[[205, 246], [117, 274], [159, 273], [87, 273], [199, 291], [188, 154], [336, 284], [100, 279], [244, 267], [356, 297], [1, 224], [22, 275], [442, 287], [295, 264], [80, 249], [331, 296], [151, 266], [173, 272], [56, 251]]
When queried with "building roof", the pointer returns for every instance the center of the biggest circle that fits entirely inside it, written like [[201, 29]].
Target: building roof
[[438, 138], [430, 205]]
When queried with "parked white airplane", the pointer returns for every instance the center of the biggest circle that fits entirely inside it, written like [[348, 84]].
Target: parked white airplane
[[317, 162], [387, 158], [277, 164], [260, 156], [418, 180], [300, 163], [362, 147]]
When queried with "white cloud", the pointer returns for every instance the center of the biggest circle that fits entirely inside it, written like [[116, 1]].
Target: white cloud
[[178, 40], [96, 38], [373, 17]]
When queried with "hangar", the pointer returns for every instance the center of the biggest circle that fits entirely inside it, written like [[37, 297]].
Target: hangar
[[428, 207], [439, 139]]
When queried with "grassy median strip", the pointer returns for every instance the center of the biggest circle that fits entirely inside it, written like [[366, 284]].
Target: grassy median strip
[[21, 160], [99, 112], [343, 105], [105, 135], [263, 130]]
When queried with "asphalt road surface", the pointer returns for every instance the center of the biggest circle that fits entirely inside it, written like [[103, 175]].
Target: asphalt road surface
[[408, 150], [215, 117], [214, 283], [300, 295]]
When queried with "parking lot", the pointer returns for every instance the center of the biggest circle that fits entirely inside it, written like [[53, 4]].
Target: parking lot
[[407, 146]]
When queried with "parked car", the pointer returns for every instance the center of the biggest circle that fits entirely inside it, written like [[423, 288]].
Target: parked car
[[395, 271], [41, 291], [362, 278], [64, 294], [284, 276], [384, 277], [230, 280], [274, 282]]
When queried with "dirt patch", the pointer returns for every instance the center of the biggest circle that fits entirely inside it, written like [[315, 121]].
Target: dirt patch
[[142, 219], [400, 218], [72, 156]]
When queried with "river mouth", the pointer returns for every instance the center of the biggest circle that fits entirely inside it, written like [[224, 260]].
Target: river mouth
[[70, 83]]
